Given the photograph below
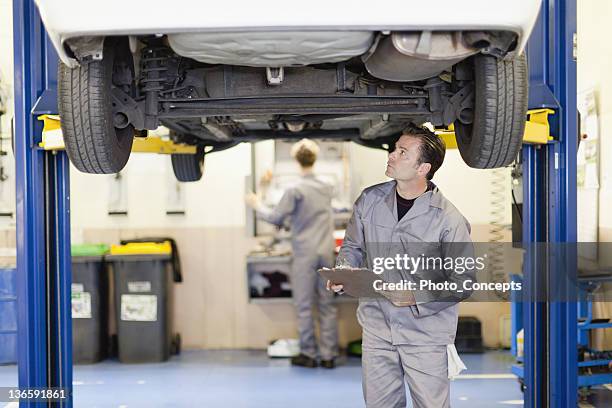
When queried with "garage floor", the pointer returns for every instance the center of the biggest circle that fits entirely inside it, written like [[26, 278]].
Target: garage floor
[[240, 378]]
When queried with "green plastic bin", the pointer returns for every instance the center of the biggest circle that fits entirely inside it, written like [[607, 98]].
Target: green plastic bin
[[90, 297]]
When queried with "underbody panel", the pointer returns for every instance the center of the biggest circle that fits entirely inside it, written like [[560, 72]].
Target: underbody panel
[[272, 49]]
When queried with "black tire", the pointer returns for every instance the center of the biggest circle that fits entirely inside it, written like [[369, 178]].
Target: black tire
[[93, 143], [188, 167], [494, 137]]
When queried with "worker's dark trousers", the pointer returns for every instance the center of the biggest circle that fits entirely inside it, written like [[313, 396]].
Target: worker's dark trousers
[[308, 288]]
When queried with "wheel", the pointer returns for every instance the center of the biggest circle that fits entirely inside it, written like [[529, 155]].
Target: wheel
[[188, 167], [97, 140], [494, 137]]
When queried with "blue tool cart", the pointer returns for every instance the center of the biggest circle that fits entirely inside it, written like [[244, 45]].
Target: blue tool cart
[[593, 365]]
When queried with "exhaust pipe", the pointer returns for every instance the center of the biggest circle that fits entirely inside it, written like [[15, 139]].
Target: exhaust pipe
[[414, 56]]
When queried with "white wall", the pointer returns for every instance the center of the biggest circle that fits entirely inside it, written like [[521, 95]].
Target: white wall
[[594, 68], [6, 59], [470, 189], [7, 188], [217, 200]]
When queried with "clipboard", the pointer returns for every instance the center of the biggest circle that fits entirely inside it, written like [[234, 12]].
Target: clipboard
[[357, 282]]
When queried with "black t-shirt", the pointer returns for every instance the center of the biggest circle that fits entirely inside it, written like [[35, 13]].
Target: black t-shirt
[[403, 205]]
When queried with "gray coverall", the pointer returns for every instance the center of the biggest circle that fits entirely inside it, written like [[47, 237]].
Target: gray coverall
[[308, 207], [406, 342]]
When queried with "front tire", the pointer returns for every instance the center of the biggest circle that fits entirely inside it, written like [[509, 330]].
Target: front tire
[[188, 167], [93, 143], [494, 137]]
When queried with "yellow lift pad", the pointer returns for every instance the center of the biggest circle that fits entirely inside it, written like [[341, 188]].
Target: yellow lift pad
[[52, 139], [537, 129]]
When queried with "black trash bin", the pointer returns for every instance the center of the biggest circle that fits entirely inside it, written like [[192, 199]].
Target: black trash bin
[[469, 335], [90, 339], [143, 275]]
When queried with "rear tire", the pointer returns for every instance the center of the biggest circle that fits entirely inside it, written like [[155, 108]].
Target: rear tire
[[93, 143], [188, 167], [494, 137]]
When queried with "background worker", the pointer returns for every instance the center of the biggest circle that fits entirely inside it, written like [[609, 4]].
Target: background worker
[[414, 341], [307, 206]]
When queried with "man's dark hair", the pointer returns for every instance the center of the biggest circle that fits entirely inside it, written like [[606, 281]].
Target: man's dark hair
[[432, 147], [305, 156]]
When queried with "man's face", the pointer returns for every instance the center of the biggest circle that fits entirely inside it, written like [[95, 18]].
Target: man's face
[[403, 162]]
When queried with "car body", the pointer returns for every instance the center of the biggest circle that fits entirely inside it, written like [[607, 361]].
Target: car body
[[218, 74], [65, 19]]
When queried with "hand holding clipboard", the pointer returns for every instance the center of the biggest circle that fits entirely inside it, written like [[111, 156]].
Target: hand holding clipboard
[[359, 283]]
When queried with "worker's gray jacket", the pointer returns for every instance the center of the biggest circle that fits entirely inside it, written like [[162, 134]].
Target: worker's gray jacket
[[432, 228], [307, 206]]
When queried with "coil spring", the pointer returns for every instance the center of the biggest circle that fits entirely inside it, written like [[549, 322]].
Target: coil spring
[[496, 230], [152, 68]]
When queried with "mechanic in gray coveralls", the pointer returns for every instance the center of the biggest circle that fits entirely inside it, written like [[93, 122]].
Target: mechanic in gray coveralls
[[307, 206], [413, 339]]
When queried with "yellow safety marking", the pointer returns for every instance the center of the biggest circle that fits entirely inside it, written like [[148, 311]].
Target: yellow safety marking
[[156, 145], [52, 139], [142, 248]]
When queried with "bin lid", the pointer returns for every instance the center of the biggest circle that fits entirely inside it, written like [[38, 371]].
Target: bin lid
[[142, 248], [89, 250]]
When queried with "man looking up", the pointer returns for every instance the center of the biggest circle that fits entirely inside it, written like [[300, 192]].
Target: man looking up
[[408, 338]]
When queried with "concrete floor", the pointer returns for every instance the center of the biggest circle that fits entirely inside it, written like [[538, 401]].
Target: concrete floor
[[240, 378]]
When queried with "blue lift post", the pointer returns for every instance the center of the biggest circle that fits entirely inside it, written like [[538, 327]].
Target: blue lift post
[[43, 221], [549, 213]]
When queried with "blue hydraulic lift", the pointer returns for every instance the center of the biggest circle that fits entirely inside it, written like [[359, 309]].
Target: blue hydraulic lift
[[549, 212], [43, 220]]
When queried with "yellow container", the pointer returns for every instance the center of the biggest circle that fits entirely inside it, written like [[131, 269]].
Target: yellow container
[[142, 248]]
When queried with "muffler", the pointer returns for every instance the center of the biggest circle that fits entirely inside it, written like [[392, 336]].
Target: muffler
[[414, 56]]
